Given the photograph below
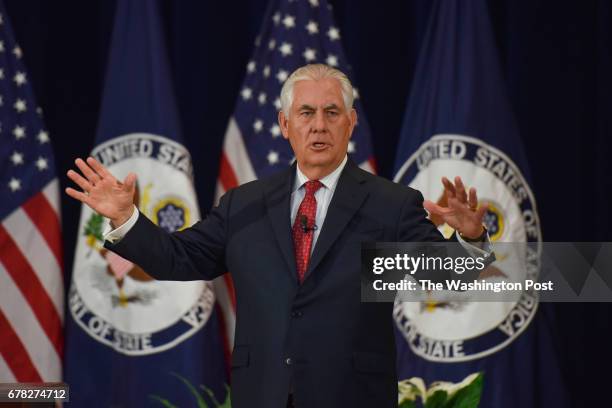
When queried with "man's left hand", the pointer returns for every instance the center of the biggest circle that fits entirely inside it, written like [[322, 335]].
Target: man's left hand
[[463, 213]]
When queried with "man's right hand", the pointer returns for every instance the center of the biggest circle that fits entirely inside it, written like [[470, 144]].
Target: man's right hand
[[102, 192]]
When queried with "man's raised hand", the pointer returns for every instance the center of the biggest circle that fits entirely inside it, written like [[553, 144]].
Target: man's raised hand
[[102, 192], [463, 213]]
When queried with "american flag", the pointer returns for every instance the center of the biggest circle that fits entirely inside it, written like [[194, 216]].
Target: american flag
[[294, 33], [31, 281]]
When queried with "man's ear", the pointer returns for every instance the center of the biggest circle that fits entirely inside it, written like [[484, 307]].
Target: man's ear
[[353, 115], [283, 122]]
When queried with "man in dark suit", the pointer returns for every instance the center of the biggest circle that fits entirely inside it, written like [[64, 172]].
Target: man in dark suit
[[292, 244]]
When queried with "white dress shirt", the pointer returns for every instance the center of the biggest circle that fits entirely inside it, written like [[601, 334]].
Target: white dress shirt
[[114, 235], [323, 196]]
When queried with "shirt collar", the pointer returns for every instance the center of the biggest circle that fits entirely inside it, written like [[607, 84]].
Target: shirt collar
[[328, 181]]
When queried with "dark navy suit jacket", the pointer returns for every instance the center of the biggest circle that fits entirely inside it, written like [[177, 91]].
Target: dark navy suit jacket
[[316, 340]]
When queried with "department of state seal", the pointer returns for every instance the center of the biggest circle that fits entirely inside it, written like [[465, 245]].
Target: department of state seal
[[461, 331], [114, 300]]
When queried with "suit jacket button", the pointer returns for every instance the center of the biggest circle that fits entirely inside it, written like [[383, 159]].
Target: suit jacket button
[[296, 313], [288, 361]]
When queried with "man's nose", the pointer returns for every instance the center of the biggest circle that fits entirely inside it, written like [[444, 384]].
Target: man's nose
[[319, 122]]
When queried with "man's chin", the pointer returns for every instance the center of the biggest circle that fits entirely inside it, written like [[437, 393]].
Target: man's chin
[[321, 161]]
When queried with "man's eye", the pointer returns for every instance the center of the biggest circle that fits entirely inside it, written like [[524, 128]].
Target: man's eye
[[332, 113]]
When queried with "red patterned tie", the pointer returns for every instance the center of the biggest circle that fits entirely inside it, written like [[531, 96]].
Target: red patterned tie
[[303, 228]]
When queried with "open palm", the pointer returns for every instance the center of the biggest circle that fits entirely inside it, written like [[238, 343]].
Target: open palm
[[102, 192], [462, 213]]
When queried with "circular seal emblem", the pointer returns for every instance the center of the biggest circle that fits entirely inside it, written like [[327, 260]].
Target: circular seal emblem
[[462, 331], [115, 301]]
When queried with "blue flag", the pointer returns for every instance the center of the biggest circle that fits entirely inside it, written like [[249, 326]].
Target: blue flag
[[459, 123], [133, 341]]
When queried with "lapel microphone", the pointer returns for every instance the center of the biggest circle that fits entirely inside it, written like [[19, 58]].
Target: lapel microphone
[[304, 224]]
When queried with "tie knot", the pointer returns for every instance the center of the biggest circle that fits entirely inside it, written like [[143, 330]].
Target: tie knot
[[312, 186]]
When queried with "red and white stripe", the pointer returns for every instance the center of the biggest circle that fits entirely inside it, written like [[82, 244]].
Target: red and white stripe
[[236, 169], [32, 284]]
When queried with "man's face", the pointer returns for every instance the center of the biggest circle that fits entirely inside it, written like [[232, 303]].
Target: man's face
[[319, 126]]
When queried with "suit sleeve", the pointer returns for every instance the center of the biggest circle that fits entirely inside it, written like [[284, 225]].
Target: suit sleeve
[[413, 224], [194, 253]]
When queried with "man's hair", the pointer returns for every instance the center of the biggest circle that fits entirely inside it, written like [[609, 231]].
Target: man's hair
[[315, 72]]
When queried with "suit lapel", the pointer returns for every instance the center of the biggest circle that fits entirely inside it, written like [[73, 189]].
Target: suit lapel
[[278, 196], [347, 199]]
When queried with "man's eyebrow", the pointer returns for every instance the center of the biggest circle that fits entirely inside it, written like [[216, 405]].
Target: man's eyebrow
[[331, 106], [312, 108]]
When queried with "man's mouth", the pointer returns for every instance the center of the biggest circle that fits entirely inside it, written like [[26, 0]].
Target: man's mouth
[[318, 146]]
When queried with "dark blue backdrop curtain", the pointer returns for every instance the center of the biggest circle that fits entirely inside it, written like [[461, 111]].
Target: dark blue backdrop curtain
[[556, 57]]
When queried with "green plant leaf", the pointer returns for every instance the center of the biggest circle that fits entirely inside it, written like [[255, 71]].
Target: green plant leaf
[[407, 404], [437, 400], [199, 398], [163, 401], [194, 391], [94, 226], [211, 394], [469, 396], [227, 403]]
